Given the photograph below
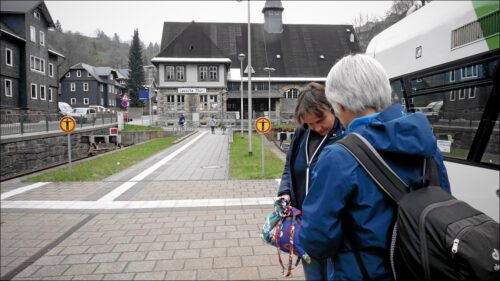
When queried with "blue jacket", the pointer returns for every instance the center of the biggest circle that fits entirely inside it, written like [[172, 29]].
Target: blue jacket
[[297, 146], [343, 194]]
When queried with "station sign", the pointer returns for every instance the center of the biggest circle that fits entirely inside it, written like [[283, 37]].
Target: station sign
[[192, 90]]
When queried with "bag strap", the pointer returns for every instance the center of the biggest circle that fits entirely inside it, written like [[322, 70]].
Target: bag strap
[[375, 166]]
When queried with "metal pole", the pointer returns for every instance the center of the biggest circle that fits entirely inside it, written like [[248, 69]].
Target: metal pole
[[269, 94], [249, 85], [69, 154], [241, 90], [262, 141], [150, 116]]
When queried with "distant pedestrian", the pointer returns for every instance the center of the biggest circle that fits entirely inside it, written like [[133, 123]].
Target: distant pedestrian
[[182, 120], [213, 123]]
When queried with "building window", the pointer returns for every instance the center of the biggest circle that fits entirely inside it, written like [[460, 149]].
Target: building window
[[179, 73], [452, 75], [85, 100], [171, 106], [72, 101], [101, 86], [8, 88], [68, 74], [78, 73], [111, 77], [468, 72], [42, 92], [203, 102], [33, 91], [85, 87], [8, 56], [32, 33], [291, 93], [452, 95], [212, 73], [37, 64], [42, 38], [203, 73], [50, 94], [102, 101], [36, 14], [88, 74], [73, 86], [169, 73], [51, 70], [180, 103], [461, 94], [472, 92]]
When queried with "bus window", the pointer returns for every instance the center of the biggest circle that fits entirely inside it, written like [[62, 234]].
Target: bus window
[[492, 152], [456, 120], [398, 92]]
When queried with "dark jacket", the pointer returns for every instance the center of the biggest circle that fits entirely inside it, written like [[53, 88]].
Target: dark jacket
[[344, 201], [297, 145]]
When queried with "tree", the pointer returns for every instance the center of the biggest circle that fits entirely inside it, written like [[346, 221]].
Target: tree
[[136, 70], [58, 27]]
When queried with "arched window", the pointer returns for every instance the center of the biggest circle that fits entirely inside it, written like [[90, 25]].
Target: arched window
[[291, 93]]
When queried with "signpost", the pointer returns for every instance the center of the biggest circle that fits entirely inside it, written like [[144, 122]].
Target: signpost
[[263, 126], [67, 124]]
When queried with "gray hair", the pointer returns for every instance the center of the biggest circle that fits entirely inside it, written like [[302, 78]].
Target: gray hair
[[358, 82]]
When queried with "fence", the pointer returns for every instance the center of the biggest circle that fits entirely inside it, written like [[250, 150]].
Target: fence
[[22, 124]]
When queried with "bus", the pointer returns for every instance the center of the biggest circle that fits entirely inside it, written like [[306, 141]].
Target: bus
[[443, 60]]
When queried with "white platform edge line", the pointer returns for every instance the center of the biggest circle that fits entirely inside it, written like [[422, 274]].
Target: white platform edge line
[[114, 205], [22, 189]]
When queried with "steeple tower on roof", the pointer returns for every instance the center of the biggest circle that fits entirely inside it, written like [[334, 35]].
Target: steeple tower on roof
[[272, 11]]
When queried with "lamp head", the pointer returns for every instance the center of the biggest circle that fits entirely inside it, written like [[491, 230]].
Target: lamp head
[[241, 57], [269, 69]]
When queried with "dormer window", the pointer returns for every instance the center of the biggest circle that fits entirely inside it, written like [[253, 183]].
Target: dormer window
[[322, 57], [78, 73], [36, 14], [278, 56], [111, 77]]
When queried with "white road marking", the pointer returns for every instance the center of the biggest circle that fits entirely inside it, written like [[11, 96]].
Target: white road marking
[[113, 205], [22, 189], [115, 193]]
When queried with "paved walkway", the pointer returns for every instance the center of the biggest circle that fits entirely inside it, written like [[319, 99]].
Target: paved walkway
[[174, 216]]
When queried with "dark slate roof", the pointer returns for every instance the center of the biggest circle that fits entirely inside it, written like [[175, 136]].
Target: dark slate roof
[[26, 6], [124, 72], [91, 69], [6, 29], [300, 46]]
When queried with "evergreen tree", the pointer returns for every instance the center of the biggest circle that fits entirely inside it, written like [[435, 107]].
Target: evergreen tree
[[136, 73]]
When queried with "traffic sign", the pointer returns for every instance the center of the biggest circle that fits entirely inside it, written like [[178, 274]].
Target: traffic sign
[[67, 124], [263, 125]]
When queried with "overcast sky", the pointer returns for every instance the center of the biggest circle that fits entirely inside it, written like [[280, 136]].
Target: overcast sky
[[122, 17]]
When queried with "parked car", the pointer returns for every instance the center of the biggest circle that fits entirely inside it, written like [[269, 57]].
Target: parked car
[[64, 109], [99, 108], [84, 115], [432, 110]]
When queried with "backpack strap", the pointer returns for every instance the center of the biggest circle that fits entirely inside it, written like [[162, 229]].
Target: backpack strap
[[375, 166]]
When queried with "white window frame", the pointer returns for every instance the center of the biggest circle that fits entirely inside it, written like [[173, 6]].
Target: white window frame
[[43, 92], [36, 14], [85, 100], [8, 57], [42, 38], [452, 95], [36, 91], [452, 75], [180, 73], [72, 101], [51, 70], [101, 87], [203, 73], [461, 94], [171, 104], [72, 87], [473, 69], [33, 34], [8, 89], [51, 94], [68, 74], [472, 93], [88, 74], [37, 64], [291, 93], [169, 73], [180, 102], [85, 87], [78, 73]]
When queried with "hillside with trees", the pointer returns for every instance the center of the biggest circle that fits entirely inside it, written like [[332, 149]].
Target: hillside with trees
[[101, 50]]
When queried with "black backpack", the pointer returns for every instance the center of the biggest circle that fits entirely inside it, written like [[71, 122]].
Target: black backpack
[[435, 236]]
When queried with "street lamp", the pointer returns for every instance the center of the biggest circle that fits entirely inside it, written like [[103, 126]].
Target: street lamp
[[269, 70], [241, 57]]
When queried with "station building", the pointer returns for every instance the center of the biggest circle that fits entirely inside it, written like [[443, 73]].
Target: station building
[[199, 70]]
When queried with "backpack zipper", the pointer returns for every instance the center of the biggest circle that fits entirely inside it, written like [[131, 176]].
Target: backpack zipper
[[456, 241], [424, 257]]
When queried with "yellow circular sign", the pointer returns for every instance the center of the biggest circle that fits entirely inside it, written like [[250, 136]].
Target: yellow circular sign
[[263, 125], [67, 124]]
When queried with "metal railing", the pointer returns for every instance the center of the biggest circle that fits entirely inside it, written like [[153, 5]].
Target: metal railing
[[24, 123]]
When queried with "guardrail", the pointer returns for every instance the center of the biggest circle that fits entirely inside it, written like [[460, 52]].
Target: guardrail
[[22, 124]]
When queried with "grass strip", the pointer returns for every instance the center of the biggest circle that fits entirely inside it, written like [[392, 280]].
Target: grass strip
[[244, 166], [105, 165], [131, 128]]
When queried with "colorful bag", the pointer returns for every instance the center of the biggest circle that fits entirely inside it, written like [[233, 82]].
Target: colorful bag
[[281, 230]]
